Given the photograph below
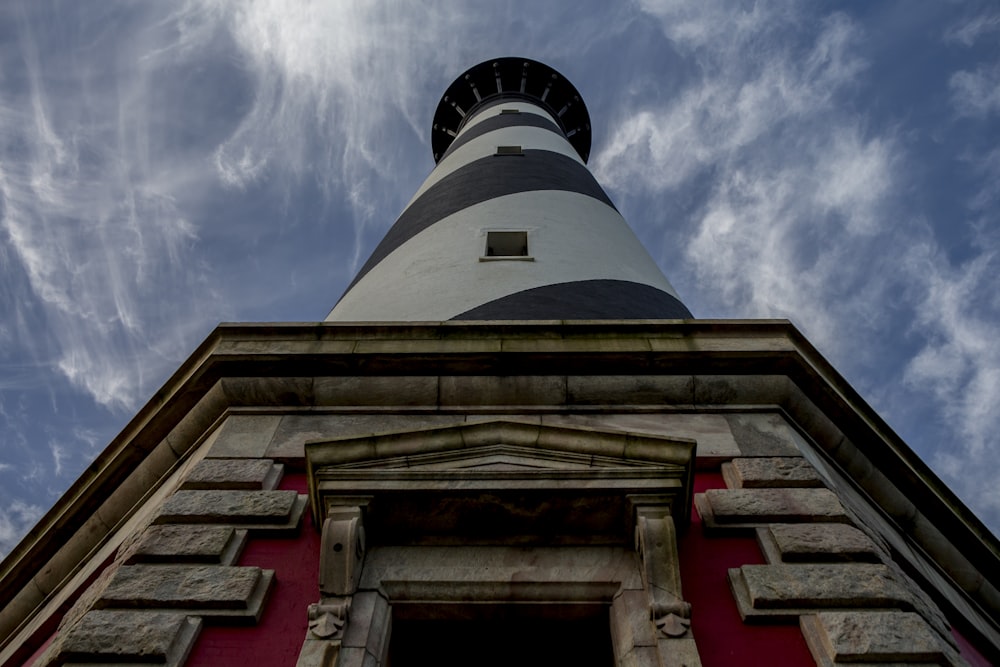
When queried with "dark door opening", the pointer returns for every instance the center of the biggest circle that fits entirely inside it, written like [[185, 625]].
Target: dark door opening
[[489, 642]]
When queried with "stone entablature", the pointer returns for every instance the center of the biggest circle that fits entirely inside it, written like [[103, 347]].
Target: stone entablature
[[501, 513]]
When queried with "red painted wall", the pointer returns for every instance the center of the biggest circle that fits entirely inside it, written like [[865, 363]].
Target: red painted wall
[[277, 638], [723, 639]]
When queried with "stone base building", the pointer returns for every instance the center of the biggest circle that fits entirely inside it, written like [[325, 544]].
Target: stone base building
[[557, 466]]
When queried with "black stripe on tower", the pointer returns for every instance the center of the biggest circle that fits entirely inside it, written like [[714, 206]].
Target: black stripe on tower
[[583, 300], [482, 180], [499, 122]]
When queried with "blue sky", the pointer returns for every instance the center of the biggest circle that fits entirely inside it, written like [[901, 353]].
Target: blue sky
[[166, 166]]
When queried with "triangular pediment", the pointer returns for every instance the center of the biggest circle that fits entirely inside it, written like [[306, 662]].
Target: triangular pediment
[[501, 441], [502, 458]]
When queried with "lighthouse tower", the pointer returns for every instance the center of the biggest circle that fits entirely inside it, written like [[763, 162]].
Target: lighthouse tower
[[510, 224], [509, 443]]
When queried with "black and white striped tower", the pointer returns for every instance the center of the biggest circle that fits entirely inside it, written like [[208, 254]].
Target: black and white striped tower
[[510, 224]]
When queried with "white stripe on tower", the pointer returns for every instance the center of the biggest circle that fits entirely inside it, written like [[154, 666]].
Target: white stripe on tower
[[510, 224]]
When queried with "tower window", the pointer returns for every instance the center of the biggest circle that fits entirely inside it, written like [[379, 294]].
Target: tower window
[[506, 245], [509, 150]]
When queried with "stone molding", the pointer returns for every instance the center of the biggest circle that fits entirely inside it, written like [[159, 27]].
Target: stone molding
[[465, 493]]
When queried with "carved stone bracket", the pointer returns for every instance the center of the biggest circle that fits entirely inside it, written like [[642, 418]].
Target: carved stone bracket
[[342, 551], [327, 618], [656, 542]]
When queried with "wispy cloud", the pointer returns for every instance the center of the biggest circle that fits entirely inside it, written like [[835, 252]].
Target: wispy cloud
[[797, 206], [976, 93], [968, 31], [89, 211], [15, 521]]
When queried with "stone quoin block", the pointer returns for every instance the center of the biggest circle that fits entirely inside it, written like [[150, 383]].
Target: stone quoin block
[[216, 545], [211, 591], [761, 434], [740, 511], [110, 636], [851, 637], [246, 474], [767, 593], [274, 512], [816, 543], [245, 436], [770, 472]]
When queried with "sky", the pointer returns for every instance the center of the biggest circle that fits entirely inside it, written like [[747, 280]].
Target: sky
[[166, 166]]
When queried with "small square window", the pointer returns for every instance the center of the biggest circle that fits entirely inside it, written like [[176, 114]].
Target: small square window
[[506, 245], [509, 150]]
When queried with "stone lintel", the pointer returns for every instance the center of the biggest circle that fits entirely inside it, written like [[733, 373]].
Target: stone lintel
[[740, 511], [770, 473], [816, 543], [268, 512], [782, 593], [189, 543], [221, 593], [246, 474], [113, 636], [852, 637]]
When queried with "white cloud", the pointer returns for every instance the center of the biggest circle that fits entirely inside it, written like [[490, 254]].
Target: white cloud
[[90, 211], [969, 31], [15, 521], [740, 98], [805, 216], [976, 93], [959, 365]]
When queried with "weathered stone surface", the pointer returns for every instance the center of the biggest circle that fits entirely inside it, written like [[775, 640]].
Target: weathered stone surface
[[763, 434], [376, 390], [245, 436], [230, 507], [502, 390], [189, 544], [249, 474], [208, 590], [295, 430], [630, 389], [770, 472], [742, 510], [715, 441], [872, 637], [791, 590], [816, 543], [630, 622], [131, 636], [368, 625]]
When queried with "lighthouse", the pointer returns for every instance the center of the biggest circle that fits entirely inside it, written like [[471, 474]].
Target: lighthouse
[[510, 224], [508, 443]]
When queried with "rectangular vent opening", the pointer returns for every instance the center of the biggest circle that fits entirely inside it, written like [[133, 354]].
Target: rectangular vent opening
[[506, 245], [503, 111], [509, 150]]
